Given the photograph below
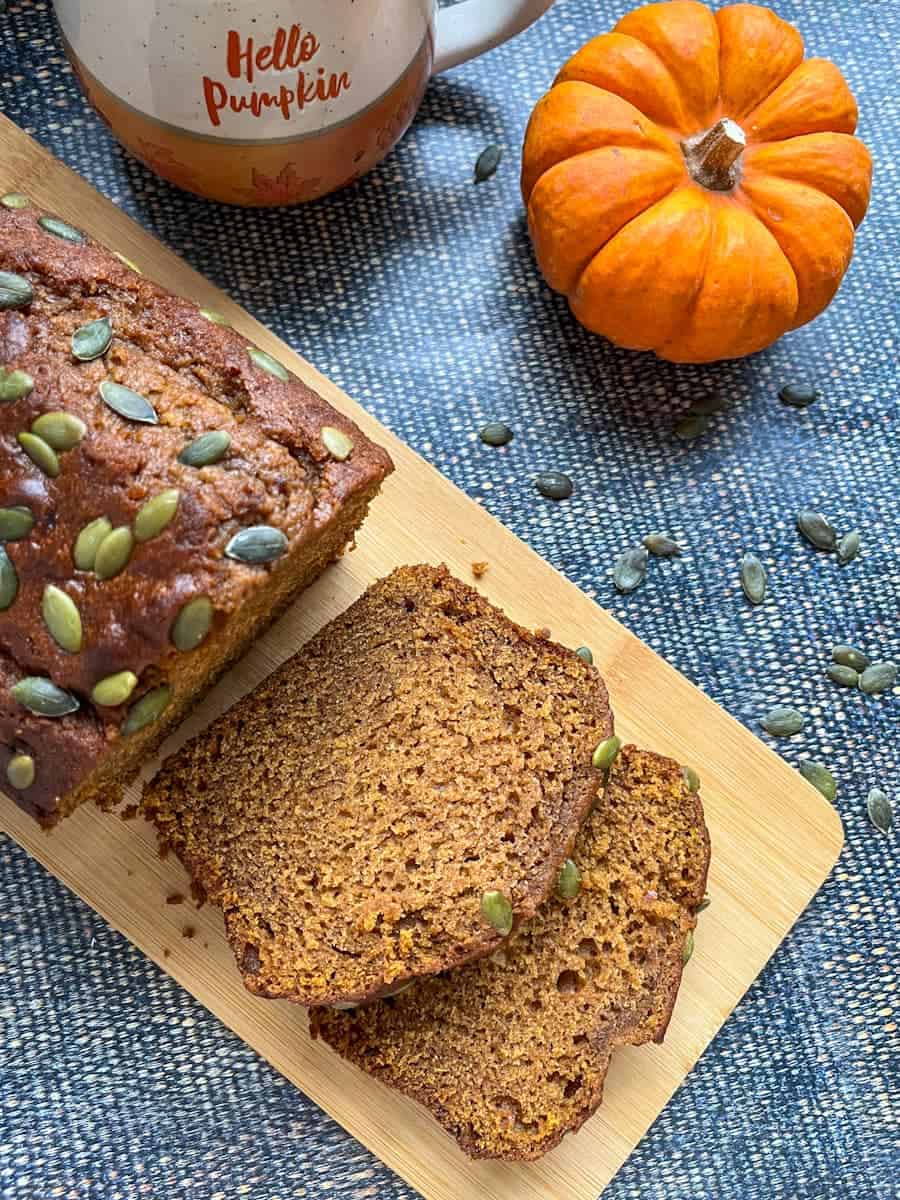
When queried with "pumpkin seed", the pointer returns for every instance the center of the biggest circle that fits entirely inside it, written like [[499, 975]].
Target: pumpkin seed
[[127, 403], [848, 547], [61, 229], [783, 721], [880, 810], [691, 779], [754, 580], [215, 317], [42, 697], [146, 710], [704, 904], [114, 553], [879, 677], [568, 885], [691, 427], [585, 653], [114, 689], [62, 618], [60, 430], [40, 453], [816, 529], [705, 406], [798, 395], [820, 777], [193, 623], [92, 340], [843, 676], [84, 552], [15, 523], [630, 568], [661, 545], [554, 485], [14, 200], [153, 517], [605, 754], [9, 581], [688, 948], [487, 162], [129, 263], [336, 442], [496, 434], [496, 909], [14, 385], [849, 656], [20, 771], [267, 363], [15, 290], [207, 449], [257, 544]]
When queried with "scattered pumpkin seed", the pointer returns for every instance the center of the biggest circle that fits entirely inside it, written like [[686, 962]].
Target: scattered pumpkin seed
[[9, 581], [568, 885], [691, 427], [754, 579], [15, 523], [816, 529], [336, 442], [88, 541], [605, 754], [848, 547], [585, 653], [129, 263], [554, 485], [630, 568], [688, 948], [661, 545], [267, 363], [114, 689], [14, 200], [215, 317], [42, 697], [114, 553], [153, 517], [497, 910], [691, 779], [849, 656], [706, 406], [842, 676], [207, 449], [487, 162], [40, 453], [60, 430], [880, 810], [146, 710], [127, 403], [14, 385], [193, 623], [496, 434], [61, 229], [62, 618], [783, 721], [879, 677], [704, 904], [15, 290], [798, 395], [20, 771], [820, 777], [92, 340], [257, 544]]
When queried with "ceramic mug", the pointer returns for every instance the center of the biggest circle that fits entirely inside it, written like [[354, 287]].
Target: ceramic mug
[[268, 102]]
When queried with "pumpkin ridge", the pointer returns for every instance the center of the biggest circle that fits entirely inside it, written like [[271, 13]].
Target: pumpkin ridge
[[691, 307], [849, 180], [663, 67], [812, 80]]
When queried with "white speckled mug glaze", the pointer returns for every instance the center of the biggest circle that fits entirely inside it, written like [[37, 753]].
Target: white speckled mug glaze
[[269, 102]]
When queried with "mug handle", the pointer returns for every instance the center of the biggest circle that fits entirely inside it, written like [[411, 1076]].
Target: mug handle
[[469, 28]]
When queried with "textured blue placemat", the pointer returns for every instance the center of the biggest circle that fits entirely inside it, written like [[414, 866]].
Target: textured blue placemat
[[417, 292]]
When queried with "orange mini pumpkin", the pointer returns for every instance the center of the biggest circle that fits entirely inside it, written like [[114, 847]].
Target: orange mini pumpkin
[[692, 183]]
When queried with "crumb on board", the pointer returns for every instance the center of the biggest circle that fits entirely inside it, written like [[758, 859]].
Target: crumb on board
[[198, 893], [175, 898], [188, 932], [163, 851], [129, 872], [129, 812], [543, 633], [479, 568], [166, 952]]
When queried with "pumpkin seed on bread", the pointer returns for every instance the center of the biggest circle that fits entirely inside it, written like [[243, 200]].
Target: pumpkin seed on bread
[[355, 815], [511, 1053]]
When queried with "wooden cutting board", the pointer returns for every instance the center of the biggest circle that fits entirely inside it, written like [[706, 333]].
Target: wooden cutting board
[[774, 837]]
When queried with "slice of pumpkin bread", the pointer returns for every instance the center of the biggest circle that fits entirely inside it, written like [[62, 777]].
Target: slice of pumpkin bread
[[510, 1053], [354, 812]]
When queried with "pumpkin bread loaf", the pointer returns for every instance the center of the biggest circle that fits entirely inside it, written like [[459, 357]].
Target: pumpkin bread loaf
[[165, 490], [418, 771], [510, 1053]]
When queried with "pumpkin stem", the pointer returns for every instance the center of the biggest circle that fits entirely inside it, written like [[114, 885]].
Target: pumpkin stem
[[712, 157]]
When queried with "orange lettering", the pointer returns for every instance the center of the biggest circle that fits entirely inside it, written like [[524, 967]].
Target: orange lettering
[[308, 47], [264, 58], [215, 96], [235, 56]]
